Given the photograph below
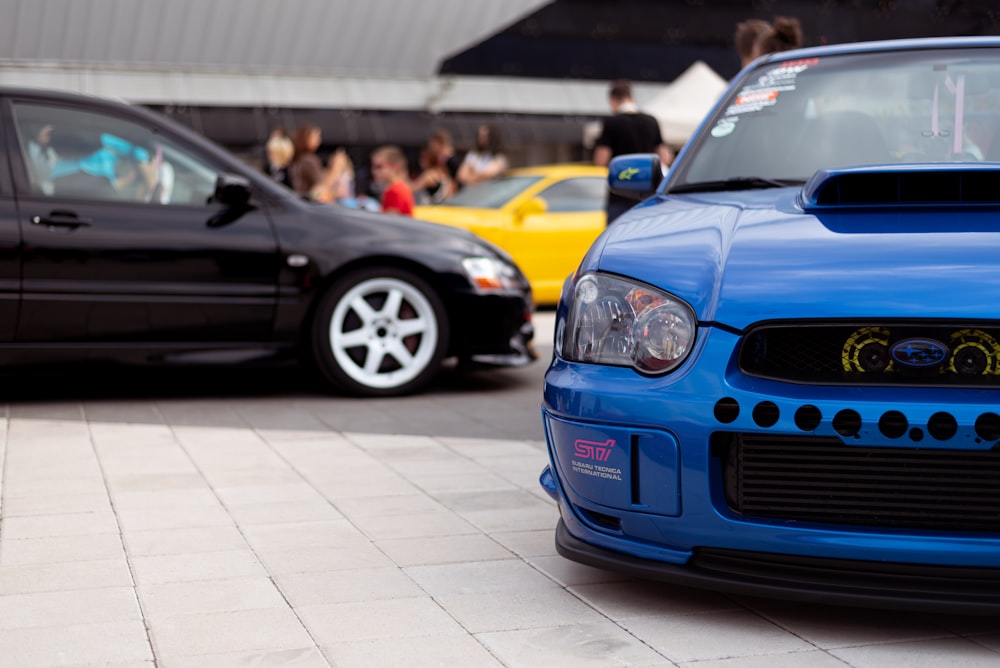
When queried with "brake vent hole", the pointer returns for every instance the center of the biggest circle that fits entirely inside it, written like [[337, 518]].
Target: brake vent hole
[[893, 424], [847, 422], [942, 426], [727, 410], [808, 417], [988, 426], [766, 414]]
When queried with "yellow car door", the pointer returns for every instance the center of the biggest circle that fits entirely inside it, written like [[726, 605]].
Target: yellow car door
[[550, 232]]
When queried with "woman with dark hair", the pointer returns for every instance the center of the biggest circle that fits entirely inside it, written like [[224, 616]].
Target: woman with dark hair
[[784, 34], [747, 33], [306, 170], [486, 160]]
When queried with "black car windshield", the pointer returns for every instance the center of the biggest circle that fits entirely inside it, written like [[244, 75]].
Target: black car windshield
[[492, 194], [788, 119]]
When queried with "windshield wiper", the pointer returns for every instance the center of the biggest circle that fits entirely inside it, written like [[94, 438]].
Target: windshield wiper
[[735, 183]]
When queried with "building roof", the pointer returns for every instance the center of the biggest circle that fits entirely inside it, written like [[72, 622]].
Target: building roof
[[376, 54]]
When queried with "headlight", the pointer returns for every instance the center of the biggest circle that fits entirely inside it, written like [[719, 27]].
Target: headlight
[[623, 323], [490, 274]]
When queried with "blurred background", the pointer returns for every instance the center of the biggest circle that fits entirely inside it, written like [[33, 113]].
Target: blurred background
[[371, 72]]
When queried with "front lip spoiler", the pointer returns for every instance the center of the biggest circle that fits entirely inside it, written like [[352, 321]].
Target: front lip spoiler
[[837, 588]]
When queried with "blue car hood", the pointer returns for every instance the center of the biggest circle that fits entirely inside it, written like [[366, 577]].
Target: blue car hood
[[740, 258]]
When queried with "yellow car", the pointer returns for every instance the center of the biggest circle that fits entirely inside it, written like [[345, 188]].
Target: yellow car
[[546, 217]]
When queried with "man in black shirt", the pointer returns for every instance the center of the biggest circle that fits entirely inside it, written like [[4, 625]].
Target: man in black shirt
[[627, 131]]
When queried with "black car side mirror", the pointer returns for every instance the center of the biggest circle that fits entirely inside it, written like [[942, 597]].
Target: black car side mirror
[[233, 193], [231, 190]]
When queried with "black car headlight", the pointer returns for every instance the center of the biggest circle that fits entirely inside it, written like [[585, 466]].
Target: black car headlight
[[490, 274], [625, 323]]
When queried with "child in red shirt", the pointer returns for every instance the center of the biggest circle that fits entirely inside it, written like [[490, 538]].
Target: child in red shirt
[[389, 170]]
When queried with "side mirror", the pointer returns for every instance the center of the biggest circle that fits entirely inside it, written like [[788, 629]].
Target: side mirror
[[232, 191], [635, 176], [533, 207]]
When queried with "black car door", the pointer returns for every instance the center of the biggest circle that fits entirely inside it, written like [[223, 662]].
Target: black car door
[[121, 241]]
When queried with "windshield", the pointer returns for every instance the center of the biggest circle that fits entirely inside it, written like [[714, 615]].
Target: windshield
[[492, 194], [789, 119]]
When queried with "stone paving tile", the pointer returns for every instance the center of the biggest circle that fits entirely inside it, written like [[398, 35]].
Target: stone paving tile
[[536, 543], [309, 657], [107, 643], [68, 607], [423, 652], [261, 629], [59, 549], [812, 659], [185, 540], [513, 609], [64, 524], [714, 635], [351, 556], [600, 644], [427, 550], [211, 514], [921, 654], [345, 586], [196, 566], [205, 596], [371, 620], [65, 576]]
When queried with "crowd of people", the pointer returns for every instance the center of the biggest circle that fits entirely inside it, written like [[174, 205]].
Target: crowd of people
[[441, 171], [294, 161]]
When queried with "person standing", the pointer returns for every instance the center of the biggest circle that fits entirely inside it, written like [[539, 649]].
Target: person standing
[[486, 160], [746, 36], [784, 34], [337, 183], [306, 170], [278, 154], [389, 173], [439, 166], [627, 130]]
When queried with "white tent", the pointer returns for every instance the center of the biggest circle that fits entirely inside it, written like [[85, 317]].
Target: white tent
[[682, 105]]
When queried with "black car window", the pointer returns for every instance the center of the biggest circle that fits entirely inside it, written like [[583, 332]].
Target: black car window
[[573, 195], [70, 152]]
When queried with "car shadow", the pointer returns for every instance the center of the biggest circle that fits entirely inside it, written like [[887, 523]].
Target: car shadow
[[92, 381]]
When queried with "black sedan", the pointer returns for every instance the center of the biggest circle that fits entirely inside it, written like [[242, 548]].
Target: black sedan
[[127, 237]]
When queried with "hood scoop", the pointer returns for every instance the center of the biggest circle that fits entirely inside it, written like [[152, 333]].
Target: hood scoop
[[903, 186]]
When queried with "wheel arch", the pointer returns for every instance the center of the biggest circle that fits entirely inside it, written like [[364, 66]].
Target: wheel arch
[[438, 280]]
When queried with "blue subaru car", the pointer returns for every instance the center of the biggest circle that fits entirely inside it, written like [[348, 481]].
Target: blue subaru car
[[779, 373]]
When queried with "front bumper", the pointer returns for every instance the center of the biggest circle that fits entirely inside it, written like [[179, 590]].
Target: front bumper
[[494, 329], [641, 488], [812, 580]]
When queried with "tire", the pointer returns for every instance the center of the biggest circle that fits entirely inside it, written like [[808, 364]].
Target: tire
[[380, 332]]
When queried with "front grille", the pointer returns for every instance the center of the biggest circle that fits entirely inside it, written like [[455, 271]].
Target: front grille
[[965, 355], [822, 480]]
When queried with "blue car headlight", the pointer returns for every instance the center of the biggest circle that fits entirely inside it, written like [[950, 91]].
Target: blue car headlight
[[620, 322]]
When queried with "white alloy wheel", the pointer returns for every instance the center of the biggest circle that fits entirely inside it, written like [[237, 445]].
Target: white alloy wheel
[[385, 332]]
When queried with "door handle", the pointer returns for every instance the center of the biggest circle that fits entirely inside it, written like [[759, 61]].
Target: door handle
[[61, 219]]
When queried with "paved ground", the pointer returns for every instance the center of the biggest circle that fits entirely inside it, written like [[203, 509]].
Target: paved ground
[[211, 520]]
